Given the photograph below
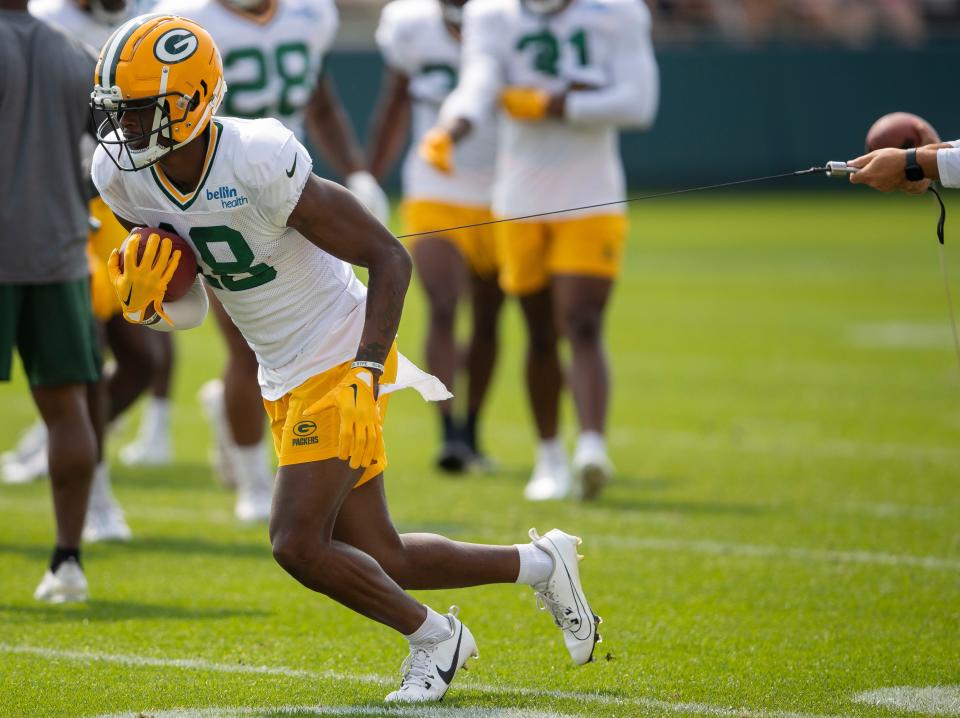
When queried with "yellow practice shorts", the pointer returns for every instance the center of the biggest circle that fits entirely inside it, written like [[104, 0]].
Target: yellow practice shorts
[[532, 252], [108, 235], [476, 244], [299, 439]]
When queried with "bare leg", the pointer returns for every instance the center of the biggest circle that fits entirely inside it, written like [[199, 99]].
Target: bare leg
[[544, 375], [442, 272], [241, 392], [72, 455], [166, 358], [580, 303], [482, 354], [306, 503], [136, 350], [419, 561]]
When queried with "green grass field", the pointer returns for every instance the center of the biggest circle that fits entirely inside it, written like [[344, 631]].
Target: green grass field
[[783, 534]]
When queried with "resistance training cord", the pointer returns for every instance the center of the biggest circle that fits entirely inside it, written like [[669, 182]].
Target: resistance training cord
[[830, 169]]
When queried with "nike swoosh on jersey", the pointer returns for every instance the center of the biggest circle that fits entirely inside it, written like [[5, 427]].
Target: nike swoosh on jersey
[[294, 168], [447, 675]]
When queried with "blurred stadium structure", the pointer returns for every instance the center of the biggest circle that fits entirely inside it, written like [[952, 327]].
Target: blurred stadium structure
[[750, 87], [753, 23]]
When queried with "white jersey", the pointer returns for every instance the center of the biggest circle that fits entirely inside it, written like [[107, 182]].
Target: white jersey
[[77, 23], [300, 309], [271, 64], [415, 42], [600, 52]]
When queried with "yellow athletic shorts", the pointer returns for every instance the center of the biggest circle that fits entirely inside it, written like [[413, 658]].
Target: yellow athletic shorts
[[531, 252], [476, 244], [108, 235], [299, 439]]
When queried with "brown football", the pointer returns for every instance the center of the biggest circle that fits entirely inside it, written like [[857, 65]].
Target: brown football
[[902, 130], [186, 272]]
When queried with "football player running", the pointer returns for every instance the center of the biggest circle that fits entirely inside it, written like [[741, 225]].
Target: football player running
[[273, 53], [276, 243], [568, 74], [420, 43]]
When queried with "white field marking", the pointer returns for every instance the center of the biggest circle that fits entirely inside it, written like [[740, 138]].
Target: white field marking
[[399, 711], [931, 700], [887, 510], [704, 709], [724, 548], [901, 335]]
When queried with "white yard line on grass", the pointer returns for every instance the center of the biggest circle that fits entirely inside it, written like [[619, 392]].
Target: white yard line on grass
[[704, 709], [322, 710], [726, 548], [931, 700]]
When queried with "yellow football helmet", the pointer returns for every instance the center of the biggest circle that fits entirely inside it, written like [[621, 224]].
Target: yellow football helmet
[[163, 63]]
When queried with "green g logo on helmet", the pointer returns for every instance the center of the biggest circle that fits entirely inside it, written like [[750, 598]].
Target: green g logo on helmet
[[175, 46]]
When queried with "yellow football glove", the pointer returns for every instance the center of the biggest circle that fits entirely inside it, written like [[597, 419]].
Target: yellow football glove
[[141, 286], [525, 103], [436, 147], [361, 431]]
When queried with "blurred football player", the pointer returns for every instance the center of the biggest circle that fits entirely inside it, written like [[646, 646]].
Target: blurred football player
[[420, 43], [135, 350], [45, 311], [276, 244], [273, 55], [568, 74]]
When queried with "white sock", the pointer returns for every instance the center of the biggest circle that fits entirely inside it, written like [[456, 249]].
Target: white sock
[[591, 442], [536, 565], [435, 628], [158, 414], [551, 450], [250, 463], [101, 497]]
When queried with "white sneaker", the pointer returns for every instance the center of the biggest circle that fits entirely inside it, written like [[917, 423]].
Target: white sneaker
[[550, 480], [26, 469], [148, 451], [105, 520], [32, 440], [594, 470], [562, 595], [210, 397], [429, 669], [253, 506], [67, 584]]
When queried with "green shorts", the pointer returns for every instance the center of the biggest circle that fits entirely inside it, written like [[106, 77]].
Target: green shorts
[[53, 329]]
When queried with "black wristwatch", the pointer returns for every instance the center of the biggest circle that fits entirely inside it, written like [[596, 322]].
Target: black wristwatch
[[913, 171]]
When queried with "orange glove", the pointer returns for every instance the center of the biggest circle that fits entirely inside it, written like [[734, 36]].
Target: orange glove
[[436, 148], [361, 427], [525, 103], [141, 285]]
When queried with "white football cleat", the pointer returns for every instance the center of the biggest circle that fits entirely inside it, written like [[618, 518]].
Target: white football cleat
[[593, 470], [105, 520], [210, 397], [562, 595], [32, 440], [550, 480], [26, 469], [65, 585], [152, 446], [253, 506], [429, 669]]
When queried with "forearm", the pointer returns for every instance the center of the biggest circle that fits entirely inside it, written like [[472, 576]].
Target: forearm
[[329, 129], [476, 95], [631, 101], [388, 132], [388, 280]]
